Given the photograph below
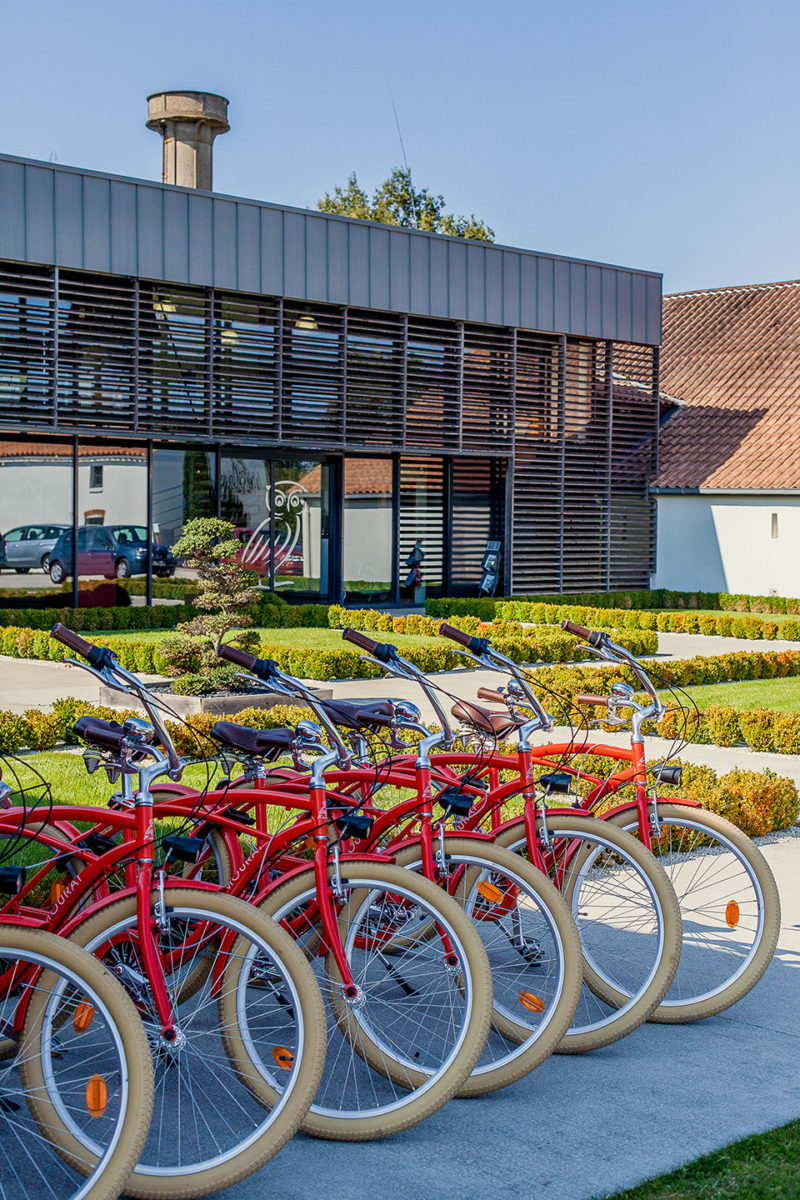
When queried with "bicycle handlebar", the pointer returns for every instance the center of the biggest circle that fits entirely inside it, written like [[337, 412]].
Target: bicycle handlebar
[[490, 694], [588, 698], [96, 656], [475, 645], [593, 636], [383, 651]]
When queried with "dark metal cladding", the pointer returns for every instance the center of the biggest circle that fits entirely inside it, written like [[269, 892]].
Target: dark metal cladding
[[83, 220]]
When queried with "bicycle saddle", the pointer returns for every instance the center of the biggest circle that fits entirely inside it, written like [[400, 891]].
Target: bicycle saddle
[[497, 724], [263, 743], [375, 713]]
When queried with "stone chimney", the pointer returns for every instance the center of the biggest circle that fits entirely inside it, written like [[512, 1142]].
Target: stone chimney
[[188, 123]]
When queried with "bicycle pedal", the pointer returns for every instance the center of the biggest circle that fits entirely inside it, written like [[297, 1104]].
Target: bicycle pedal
[[186, 849], [455, 801], [12, 880], [557, 781]]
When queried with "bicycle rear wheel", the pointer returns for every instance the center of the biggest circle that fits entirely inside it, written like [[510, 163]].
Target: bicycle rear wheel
[[730, 909], [82, 1067]]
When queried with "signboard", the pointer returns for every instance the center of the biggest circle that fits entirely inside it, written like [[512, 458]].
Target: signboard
[[490, 568]]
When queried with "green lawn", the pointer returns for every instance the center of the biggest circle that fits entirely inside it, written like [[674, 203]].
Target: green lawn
[[299, 639], [751, 693], [763, 1167]]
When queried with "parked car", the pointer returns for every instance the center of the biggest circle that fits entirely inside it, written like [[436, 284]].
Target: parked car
[[98, 554], [2, 552], [132, 541], [29, 546]]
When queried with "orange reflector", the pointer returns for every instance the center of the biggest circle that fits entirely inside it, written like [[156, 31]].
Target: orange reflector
[[57, 889], [732, 914], [83, 1016], [283, 1057], [530, 1001], [490, 892], [96, 1096]]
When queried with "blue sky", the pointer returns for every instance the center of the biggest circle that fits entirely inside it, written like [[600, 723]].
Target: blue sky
[[660, 134]]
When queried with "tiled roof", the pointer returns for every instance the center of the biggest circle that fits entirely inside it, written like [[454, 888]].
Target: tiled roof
[[731, 359], [362, 477], [64, 450]]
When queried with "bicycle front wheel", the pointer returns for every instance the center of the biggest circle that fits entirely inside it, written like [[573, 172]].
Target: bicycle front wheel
[[410, 1038], [730, 909], [76, 1100], [533, 948], [209, 1127], [628, 921]]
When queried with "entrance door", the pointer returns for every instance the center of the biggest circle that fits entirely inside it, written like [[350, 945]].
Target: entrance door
[[281, 511]]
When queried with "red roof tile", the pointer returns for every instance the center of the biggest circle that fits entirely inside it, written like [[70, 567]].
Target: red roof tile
[[731, 359]]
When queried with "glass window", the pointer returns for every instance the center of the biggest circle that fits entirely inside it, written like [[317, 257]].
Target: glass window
[[422, 515], [280, 511], [96, 477], [101, 559], [367, 529], [36, 485]]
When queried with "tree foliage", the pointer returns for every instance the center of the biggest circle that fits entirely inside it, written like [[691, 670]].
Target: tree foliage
[[398, 202], [225, 590]]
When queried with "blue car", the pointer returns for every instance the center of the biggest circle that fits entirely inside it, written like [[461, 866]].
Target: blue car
[[132, 548]]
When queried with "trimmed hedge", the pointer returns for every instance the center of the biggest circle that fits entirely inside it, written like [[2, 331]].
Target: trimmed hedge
[[723, 624], [485, 607], [521, 644], [758, 802]]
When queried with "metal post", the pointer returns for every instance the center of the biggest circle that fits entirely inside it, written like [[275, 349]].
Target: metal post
[[562, 421], [609, 458], [54, 381], [135, 384], [75, 503], [149, 584], [395, 592]]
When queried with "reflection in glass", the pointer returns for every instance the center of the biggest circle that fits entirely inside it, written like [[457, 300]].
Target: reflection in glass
[[35, 509], [184, 487], [367, 564], [280, 512], [112, 500]]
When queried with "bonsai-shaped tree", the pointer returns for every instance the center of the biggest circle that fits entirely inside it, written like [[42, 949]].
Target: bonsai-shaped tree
[[225, 590]]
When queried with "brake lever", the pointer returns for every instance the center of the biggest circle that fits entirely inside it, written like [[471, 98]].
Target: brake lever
[[105, 676]]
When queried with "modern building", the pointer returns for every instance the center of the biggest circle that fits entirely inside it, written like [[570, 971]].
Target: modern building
[[338, 389], [728, 485]]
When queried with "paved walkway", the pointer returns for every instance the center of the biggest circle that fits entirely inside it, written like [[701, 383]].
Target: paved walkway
[[27, 683], [586, 1126]]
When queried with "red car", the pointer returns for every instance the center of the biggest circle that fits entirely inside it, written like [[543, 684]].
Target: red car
[[256, 554]]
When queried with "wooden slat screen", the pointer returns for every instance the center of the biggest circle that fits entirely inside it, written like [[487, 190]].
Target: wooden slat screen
[[576, 417], [634, 447], [27, 345], [538, 464]]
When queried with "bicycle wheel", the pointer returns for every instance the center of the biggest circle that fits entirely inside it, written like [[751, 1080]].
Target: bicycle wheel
[[410, 1038], [534, 954], [730, 909], [82, 1064], [628, 921], [209, 1129]]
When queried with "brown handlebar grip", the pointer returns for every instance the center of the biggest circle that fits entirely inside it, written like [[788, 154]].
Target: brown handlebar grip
[[361, 640], [588, 698], [578, 630], [489, 694], [73, 640], [456, 635], [239, 657]]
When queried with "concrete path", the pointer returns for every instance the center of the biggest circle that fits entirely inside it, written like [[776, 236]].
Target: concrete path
[[586, 1126]]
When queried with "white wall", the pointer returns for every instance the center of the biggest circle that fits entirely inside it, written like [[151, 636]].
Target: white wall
[[724, 544]]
